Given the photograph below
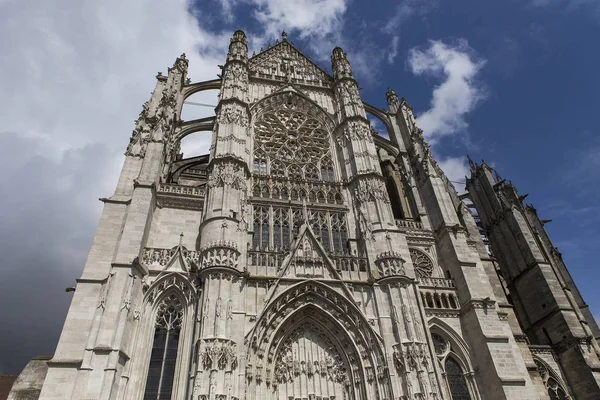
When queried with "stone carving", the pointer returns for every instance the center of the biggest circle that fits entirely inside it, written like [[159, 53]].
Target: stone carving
[[174, 280], [228, 173], [181, 63], [235, 77], [390, 263], [348, 92], [284, 62], [218, 355], [392, 98], [220, 253], [320, 365], [233, 114], [155, 256], [421, 262], [371, 188], [353, 130]]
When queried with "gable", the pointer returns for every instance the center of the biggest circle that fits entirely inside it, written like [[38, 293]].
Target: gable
[[283, 62], [308, 259]]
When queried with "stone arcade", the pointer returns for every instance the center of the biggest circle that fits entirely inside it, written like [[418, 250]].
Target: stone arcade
[[308, 257]]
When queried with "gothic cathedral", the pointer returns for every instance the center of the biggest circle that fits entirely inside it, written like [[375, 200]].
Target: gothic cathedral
[[309, 258]]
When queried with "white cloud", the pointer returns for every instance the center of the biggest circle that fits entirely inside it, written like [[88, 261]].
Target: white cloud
[[393, 49], [455, 168], [311, 18], [404, 10], [457, 67]]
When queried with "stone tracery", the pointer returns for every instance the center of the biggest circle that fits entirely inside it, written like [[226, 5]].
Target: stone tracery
[[312, 312], [289, 142], [422, 263]]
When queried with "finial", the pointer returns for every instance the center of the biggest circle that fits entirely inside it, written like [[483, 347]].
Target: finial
[[471, 163], [284, 36], [182, 56], [180, 238]]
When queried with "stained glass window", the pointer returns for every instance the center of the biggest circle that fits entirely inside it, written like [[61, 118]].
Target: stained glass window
[[161, 371], [459, 390]]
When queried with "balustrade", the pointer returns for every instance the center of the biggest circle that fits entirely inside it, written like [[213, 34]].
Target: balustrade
[[402, 223], [438, 293], [181, 189]]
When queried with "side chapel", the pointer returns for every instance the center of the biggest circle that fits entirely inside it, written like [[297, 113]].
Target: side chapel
[[307, 257]]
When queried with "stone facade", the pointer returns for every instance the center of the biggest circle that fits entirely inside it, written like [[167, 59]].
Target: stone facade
[[307, 257]]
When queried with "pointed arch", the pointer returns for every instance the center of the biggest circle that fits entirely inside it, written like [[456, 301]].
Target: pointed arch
[[314, 308], [458, 345], [457, 356], [170, 289], [556, 387]]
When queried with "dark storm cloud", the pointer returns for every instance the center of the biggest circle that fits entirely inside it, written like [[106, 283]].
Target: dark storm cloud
[[73, 81], [48, 219]]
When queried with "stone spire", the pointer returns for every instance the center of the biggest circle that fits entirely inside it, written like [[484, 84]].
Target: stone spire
[[392, 100], [340, 65], [238, 47]]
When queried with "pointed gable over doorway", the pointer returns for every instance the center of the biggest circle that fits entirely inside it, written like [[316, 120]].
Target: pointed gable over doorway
[[285, 63]]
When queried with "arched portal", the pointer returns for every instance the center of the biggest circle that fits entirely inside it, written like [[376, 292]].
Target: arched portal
[[310, 360], [311, 341]]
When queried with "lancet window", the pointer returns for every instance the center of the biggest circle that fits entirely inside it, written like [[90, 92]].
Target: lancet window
[[161, 372], [276, 227], [313, 192], [260, 238], [459, 382]]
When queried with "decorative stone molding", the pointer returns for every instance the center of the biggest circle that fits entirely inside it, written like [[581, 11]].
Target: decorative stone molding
[[320, 192], [235, 77], [404, 224], [421, 262], [390, 263], [173, 281], [348, 92], [353, 130], [369, 188], [233, 114], [566, 344], [227, 173], [442, 313], [283, 62], [220, 253], [427, 281], [170, 188], [219, 354], [156, 256]]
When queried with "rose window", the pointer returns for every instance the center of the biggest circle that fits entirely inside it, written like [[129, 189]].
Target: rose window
[[296, 145]]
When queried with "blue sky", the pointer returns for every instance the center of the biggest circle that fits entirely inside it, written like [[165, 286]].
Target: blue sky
[[510, 82]]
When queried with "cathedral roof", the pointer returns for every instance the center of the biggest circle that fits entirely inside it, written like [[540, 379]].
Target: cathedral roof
[[284, 62]]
